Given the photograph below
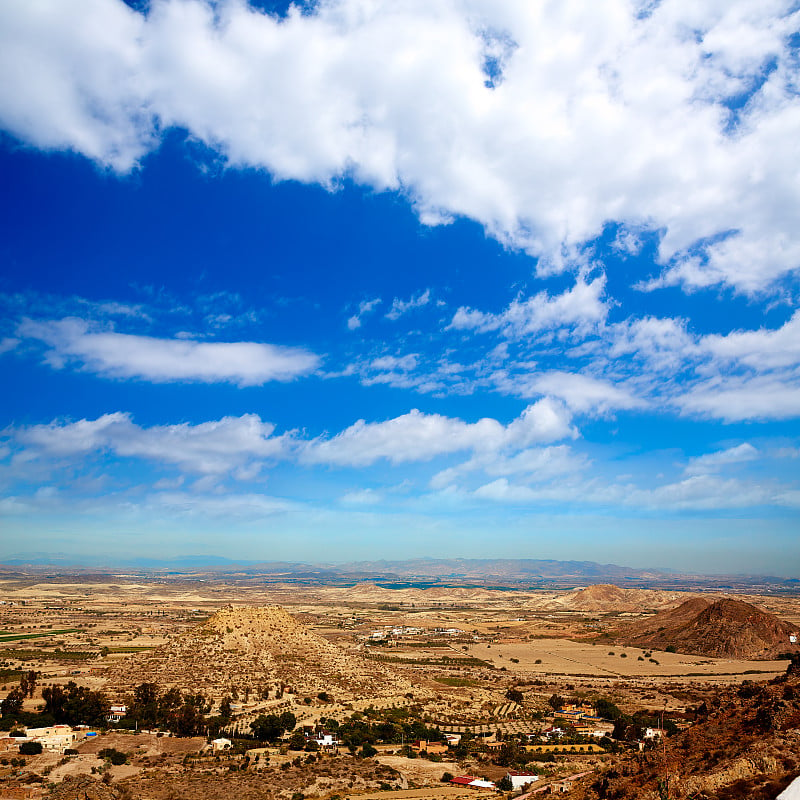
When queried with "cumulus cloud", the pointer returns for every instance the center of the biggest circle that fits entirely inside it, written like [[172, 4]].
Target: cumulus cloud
[[121, 355], [583, 393], [540, 122], [734, 399], [420, 437], [582, 307], [760, 349], [229, 445], [533, 464]]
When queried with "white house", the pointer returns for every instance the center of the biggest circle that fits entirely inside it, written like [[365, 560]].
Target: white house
[[520, 779], [325, 740], [116, 713], [218, 745]]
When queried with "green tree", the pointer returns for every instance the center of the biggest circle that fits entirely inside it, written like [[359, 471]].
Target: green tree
[[144, 708], [505, 784], [84, 706], [27, 684], [515, 696], [268, 727], [54, 698], [30, 748], [288, 720], [297, 741], [12, 704]]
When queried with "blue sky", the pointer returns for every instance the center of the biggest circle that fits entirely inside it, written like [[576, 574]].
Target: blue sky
[[369, 280]]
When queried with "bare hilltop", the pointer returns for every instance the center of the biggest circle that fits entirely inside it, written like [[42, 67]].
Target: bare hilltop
[[263, 649], [724, 628]]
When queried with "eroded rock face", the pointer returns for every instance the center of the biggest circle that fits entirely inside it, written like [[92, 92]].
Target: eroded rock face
[[260, 648], [724, 629]]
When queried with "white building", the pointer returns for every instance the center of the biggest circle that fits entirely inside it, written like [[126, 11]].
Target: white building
[[116, 713], [520, 779], [218, 745]]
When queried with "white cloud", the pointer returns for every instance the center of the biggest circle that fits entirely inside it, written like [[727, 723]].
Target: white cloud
[[762, 349], [226, 506], [598, 113], [400, 307], [534, 464], [362, 497], [228, 445], [364, 307], [420, 437], [120, 355], [583, 393], [664, 343], [694, 493], [734, 399], [582, 307], [712, 462], [7, 344]]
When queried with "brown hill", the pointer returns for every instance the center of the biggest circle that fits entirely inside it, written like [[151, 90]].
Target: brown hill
[[726, 628], [745, 745], [257, 648], [606, 597]]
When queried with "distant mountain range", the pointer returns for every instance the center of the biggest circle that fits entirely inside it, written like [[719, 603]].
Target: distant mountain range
[[511, 573]]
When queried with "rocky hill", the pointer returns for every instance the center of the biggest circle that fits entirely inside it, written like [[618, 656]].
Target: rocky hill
[[605, 598], [724, 628], [744, 746], [257, 648]]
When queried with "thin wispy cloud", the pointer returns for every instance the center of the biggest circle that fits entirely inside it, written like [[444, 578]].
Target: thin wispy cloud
[[122, 355]]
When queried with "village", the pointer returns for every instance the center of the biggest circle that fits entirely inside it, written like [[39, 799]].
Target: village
[[572, 729]]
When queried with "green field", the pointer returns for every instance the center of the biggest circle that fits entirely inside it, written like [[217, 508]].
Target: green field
[[5, 636]]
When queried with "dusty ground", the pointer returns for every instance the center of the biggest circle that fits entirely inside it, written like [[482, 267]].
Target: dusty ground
[[566, 657], [82, 630]]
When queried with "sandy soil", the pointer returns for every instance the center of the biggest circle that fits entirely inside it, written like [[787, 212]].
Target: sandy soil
[[566, 657]]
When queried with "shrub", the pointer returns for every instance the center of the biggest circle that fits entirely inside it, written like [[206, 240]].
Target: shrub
[[30, 748], [116, 757]]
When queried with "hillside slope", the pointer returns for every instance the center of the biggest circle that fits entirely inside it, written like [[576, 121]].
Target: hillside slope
[[723, 629], [259, 648], [745, 746]]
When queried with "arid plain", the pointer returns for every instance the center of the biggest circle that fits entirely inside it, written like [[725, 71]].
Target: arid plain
[[468, 661]]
